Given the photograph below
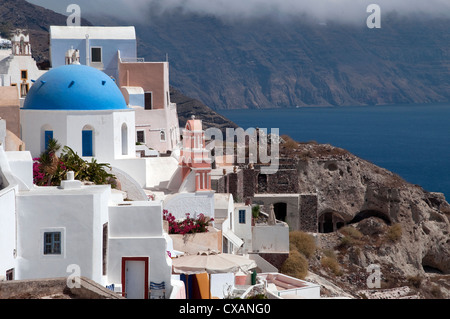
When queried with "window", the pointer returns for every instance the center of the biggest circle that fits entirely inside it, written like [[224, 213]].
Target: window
[[163, 135], [10, 274], [140, 137], [96, 55], [52, 243], [48, 135], [24, 74], [242, 216]]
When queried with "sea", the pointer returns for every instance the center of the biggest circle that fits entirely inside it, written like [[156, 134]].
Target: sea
[[412, 141]]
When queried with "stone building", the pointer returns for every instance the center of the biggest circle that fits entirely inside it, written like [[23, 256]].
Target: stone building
[[280, 189]]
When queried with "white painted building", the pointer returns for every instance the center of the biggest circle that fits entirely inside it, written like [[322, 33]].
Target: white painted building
[[17, 66], [80, 230], [145, 85]]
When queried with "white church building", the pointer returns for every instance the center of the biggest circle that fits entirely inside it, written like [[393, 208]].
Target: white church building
[[17, 66], [46, 231]]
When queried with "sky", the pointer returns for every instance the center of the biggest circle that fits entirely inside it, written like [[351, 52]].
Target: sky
[[338, 10]]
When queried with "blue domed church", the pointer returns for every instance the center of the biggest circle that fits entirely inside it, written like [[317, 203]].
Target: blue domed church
[[82, 108]]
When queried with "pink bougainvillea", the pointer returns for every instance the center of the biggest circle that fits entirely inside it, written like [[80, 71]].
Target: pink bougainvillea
[[188, 225], [38, 174]]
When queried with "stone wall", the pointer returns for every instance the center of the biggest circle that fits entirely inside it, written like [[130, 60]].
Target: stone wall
[[308, 213], [266, 189]]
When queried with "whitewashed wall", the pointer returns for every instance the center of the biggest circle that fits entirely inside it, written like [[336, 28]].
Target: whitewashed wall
[[79, 214], [8, 190], [136, 230]]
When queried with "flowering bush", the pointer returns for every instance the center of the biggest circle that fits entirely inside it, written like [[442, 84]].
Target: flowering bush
[[188, 225], [69, 161]]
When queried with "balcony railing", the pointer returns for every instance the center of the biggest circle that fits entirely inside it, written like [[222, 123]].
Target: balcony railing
[[132, 60]]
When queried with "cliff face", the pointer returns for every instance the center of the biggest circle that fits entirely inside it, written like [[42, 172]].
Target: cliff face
[[263, 63], [373, 200]]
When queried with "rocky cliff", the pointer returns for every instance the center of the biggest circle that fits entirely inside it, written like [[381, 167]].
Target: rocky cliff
[[267, 62], [385, 221]]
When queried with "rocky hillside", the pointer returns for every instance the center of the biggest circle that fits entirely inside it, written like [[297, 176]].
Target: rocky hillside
[[186, 107], [263, 63], [386, 221], [37, 20]]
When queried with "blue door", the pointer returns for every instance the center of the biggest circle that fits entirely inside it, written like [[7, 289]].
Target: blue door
[[87, 144], [48, 135]]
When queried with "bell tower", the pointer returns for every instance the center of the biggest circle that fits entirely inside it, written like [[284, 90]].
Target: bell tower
[[20, 42]]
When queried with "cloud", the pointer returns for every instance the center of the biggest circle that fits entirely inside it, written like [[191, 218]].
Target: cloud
[[338, 10]]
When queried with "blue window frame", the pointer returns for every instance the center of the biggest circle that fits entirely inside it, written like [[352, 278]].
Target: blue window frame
[[87, 145], [48, 135], [242, 216], [52, 243]]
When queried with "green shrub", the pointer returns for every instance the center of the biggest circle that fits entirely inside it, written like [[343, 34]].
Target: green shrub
[[296, 265], [329, 253], [332, 264], [351, 232], [255, 211], [302, 242], [346, 242], [415, 281], [394, 232]]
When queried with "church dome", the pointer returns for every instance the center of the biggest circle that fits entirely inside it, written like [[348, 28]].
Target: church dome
[[74, 87]]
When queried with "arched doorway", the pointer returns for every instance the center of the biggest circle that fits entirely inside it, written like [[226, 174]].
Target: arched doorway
[[330, 222], [280, 210]]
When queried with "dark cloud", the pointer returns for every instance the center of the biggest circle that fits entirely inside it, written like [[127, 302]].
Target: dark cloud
[[338, 10]]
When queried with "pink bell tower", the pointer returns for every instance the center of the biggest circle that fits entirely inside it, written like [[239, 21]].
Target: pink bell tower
[[194, 157]]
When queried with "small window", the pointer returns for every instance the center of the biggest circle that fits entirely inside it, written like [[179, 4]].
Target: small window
[[140, 137], [10, 274], [242, 216], [24, 74], [96, 55], [52, 243]]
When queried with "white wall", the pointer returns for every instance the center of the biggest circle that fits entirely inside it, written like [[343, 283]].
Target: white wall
[[193, 203], [136, 231], [79, 214], [8, 190], [16, 65], [67, 128], [21, 165], [243, 231], [271, 239]]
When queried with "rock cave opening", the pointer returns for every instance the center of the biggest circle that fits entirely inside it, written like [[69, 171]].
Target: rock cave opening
[[330, 222], [370, 213]]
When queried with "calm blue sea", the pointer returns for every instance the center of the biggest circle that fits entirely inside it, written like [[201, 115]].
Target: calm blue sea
[[410, 140]]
